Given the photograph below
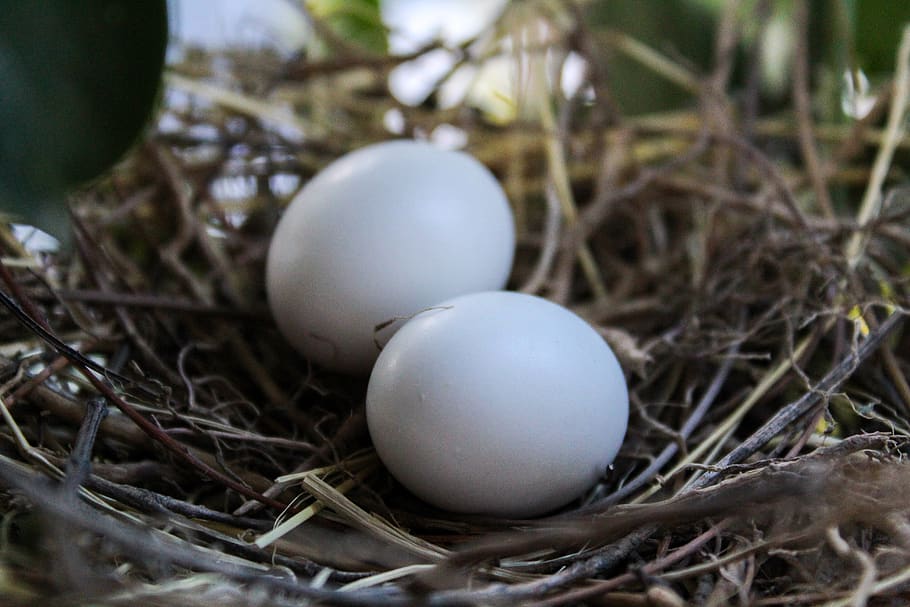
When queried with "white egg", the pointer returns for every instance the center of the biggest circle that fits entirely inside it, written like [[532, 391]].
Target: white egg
[[384, 232], [497, 403]]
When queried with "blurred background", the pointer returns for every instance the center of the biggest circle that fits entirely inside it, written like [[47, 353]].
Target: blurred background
[[459, 55]]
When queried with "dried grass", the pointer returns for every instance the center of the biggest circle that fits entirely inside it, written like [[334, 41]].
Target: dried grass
[[161, 443]]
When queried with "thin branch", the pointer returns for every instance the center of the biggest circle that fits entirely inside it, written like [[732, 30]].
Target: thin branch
[[793, 411], [169, 551], [84, 365], [894, 131], [672, 447], [79, 466]]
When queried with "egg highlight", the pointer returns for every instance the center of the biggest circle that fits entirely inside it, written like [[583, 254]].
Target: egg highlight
[[497, 403], [382, 233]]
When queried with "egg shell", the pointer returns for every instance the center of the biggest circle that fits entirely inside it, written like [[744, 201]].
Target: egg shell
[[380, 233], [497, 403]]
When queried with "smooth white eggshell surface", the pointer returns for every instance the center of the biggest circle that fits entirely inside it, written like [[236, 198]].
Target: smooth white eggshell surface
[[384, 232], [497, 403]]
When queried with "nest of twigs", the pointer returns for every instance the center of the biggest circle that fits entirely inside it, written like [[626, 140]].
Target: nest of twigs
[[161, 443]]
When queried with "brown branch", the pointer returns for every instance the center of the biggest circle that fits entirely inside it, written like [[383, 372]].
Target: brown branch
[[793, 411], [698, 412], [83, 365], [116, 427], [169, 551]]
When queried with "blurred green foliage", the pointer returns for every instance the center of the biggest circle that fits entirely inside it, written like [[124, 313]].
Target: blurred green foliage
[[683, 30], [877, 27], [843, 34], [356, 21], [80, 80]]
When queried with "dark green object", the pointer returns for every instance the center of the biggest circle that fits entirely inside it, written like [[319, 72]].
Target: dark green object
[[682, 30], [79, 81], [879, 25]]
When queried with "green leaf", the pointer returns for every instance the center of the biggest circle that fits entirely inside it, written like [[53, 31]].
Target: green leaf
[[80, 80], [879, 24], [356, 21]]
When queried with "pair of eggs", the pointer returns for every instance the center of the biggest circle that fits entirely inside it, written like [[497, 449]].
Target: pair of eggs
[[482, 401]]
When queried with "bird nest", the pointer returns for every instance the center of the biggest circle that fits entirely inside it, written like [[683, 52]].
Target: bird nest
[[160, 442]]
